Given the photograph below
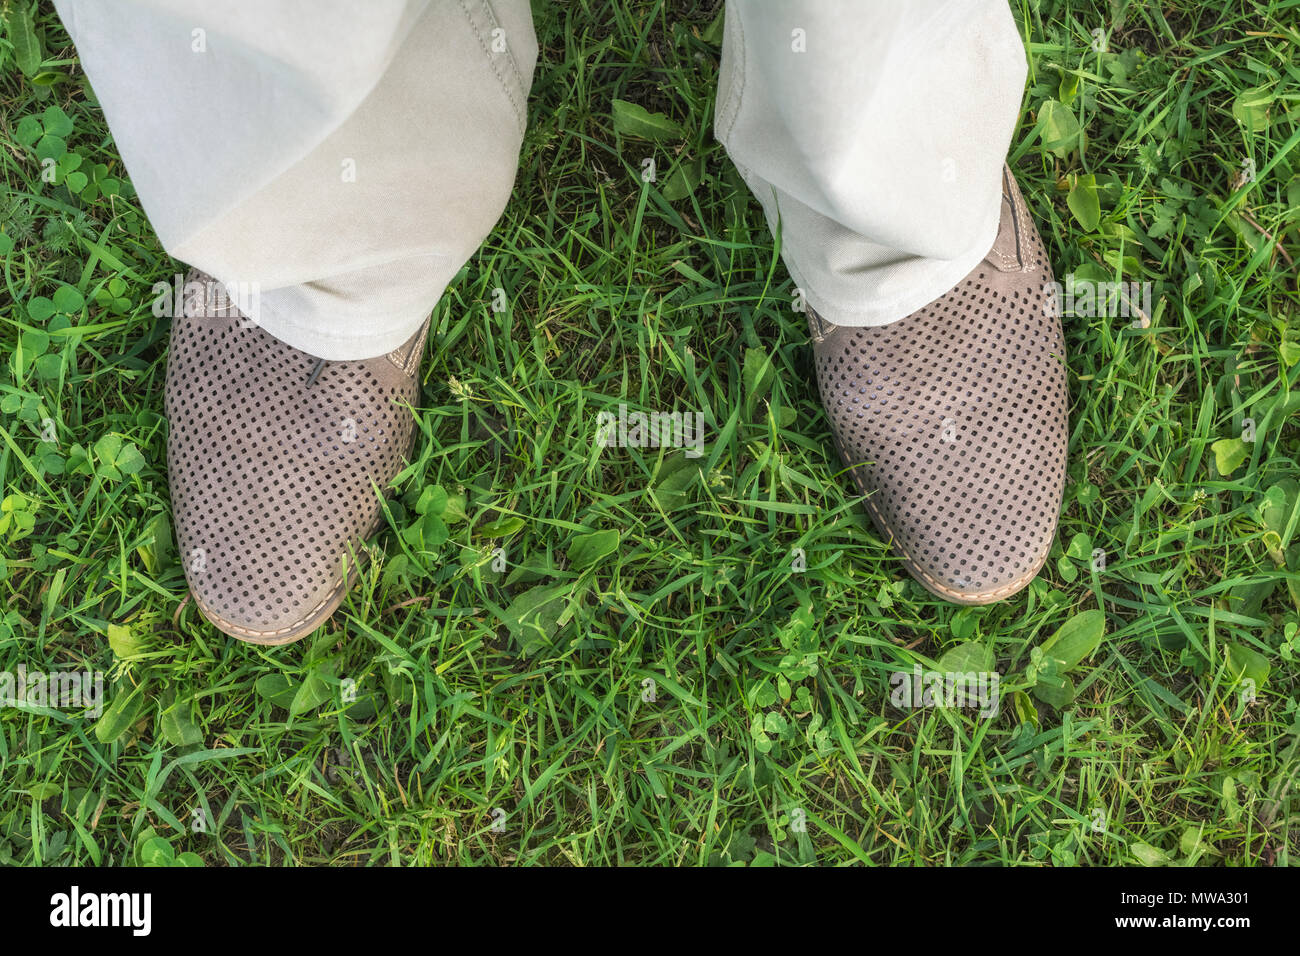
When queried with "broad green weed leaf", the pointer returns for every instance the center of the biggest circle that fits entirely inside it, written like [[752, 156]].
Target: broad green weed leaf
[[1076, 638], [633, 120]]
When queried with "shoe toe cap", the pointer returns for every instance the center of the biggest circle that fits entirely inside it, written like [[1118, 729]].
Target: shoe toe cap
[[238, 595], [981, 566], [971, 537]]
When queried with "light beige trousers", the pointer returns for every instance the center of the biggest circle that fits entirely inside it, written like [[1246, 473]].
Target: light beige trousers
[[345, 159]]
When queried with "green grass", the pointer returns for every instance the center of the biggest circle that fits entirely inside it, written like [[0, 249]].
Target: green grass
[[759, 720]]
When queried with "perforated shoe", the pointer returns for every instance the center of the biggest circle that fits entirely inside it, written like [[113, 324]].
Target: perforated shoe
[[953, 419], [277, 463]]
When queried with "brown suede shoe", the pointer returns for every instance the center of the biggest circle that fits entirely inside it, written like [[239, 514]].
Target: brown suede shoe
[[953, 419], [277, 461]]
